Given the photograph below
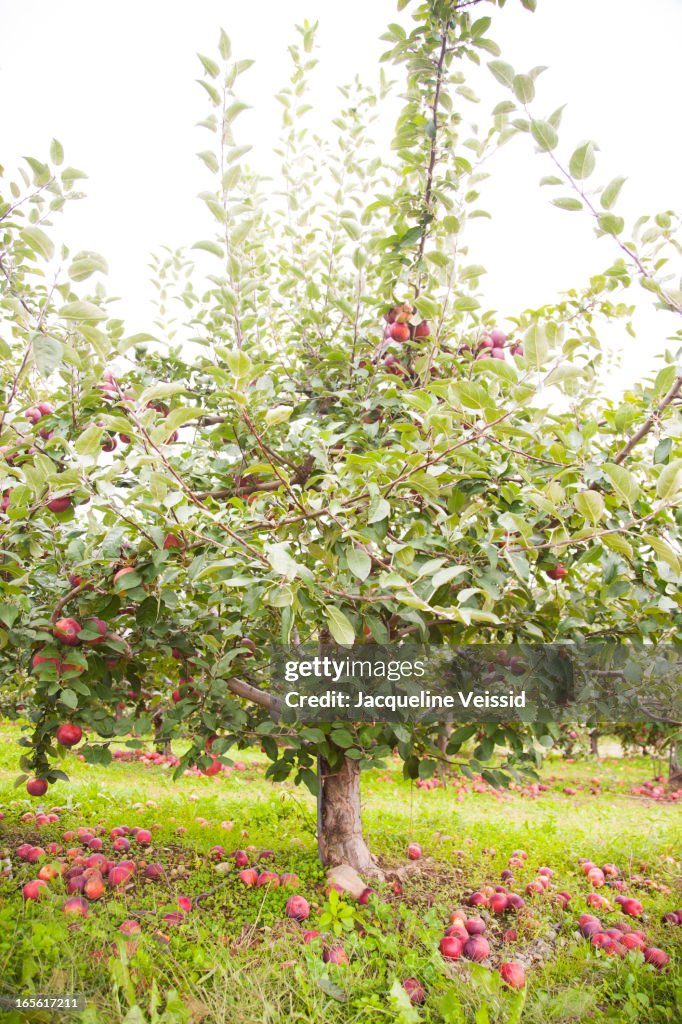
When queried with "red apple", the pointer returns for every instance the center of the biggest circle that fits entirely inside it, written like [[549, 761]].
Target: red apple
[[423, 330], [297, 908], [414, 851], [477, 948], [66, 631], [451, 947], [58, 505], [69, 734], [34, 890], [400, 332], [513, 975], [415, 991], [249, 876], [654, 956], [557, 573], [335, 955], [76, 906], [37, 787]]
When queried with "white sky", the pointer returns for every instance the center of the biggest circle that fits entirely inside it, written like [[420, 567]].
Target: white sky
[[115, 84]]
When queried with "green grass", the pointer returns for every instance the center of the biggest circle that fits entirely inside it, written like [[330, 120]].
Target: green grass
[[237, 959]]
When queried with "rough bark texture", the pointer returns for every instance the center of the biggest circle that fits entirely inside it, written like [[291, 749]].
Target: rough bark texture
[[339, 823], [674, 766], [162, 746], [594, 743]]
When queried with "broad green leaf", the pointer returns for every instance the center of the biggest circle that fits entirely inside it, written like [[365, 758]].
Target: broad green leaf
[[545, 135], [56, 152], [524, 89], [503, 72], [82, 311], [69, 698], [239, 363], [536, 345], [669, 482], [210, 66], [623, 481], [445, 575], [211, 247], [583, 161], [568, 203], [617, 542], [37, 240], [339, 626], [281, 561], [359, 563], [610, 224], [224, 45], [279, 414], [379, 509], [664, 551], [86, 263], [88, 443], [610, 194], [590, 505], [48, 353]]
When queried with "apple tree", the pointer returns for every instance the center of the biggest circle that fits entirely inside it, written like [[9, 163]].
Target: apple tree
[[329, 436]]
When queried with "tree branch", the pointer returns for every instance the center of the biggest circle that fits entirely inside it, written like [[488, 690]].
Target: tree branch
[[649, 423]]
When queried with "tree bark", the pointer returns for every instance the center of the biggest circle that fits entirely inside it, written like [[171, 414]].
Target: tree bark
[[674, 767], [162, 746], [594, 743], [339, 822]]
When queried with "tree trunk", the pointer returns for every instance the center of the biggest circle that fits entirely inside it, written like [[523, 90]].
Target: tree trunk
[[674, 767], [594, 743], [339, 823], [162, 746]]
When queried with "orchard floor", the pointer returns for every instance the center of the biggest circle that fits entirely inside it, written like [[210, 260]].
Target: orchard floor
[[235, 957]]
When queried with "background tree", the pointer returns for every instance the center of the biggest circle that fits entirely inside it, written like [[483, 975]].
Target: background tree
[[345, 446]]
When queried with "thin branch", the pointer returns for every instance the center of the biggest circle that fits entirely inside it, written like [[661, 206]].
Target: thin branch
[[650, 422]]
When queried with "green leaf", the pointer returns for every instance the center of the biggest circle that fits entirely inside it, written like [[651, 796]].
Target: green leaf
[[610, 194], [545, 135], [224, 45], [663, 450], [278, 414], [664, 551], [281, 561], [239, 363], [623, 481], [69, 698], [568, 203], [359, 563], [56, 152], [339, 626], [210, 66], [211, 247], [536, 346], [503, 72], [617, 542], [590, 505], [583, 161], [85, 264], [48, 353], [38, 241], [82, 311], [524, 89], [88, 443], [610, 224], [379, 509], [670, 481]]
